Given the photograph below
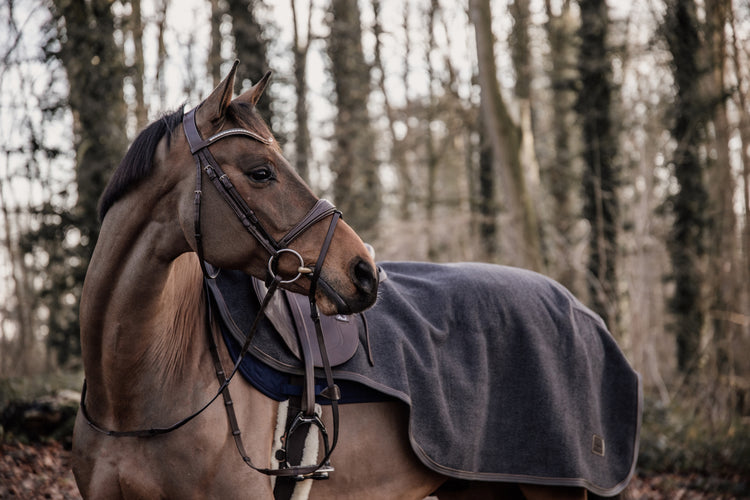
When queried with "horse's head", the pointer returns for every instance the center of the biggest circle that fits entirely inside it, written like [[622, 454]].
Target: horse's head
[[275, 197]]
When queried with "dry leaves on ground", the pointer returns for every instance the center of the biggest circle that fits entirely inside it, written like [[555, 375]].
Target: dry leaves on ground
[[43, 471], [36, 471]]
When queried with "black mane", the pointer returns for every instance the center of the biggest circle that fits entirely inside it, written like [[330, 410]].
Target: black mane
[[137, 163]]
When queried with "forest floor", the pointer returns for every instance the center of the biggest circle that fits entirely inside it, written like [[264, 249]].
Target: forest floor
[[31, 471], [37, 415]]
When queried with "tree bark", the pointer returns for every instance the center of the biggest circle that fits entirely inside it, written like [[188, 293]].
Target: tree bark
[[161, 24], [744, 131], [600, 178], [357, 185], [688, 236], [96, 71], [725, 273], [505, 143], [521, 55], [214, 51], [250, 48], [558, 174], [398, 147], [137, 72], [302, 137]]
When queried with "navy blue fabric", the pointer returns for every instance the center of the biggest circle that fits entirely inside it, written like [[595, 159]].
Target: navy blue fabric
[[279, 386], [507, 376]]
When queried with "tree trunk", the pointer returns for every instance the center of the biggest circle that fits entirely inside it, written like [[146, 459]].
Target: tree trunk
[[161, 58], [724, 269], [505, 143], [141, 110], [431, 159], [521, 55], [356, 186], [688, 236], [487, 205], [302, 137], [96, 70], [250, 48], [600, 179], [558, 174], [744, 131], [16, 355], [214, 51], [398, 147]]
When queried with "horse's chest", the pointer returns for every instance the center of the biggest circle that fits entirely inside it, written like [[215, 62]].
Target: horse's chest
[[166, 468]]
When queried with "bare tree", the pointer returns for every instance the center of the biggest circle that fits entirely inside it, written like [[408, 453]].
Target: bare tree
[[522, 57], [600, 178], [724, 264], [95, 68], [558, 172], [161, 25], [214, 51], [250, 48], [357, 185], [398, 147], [744, 133], [137, 70], [504, 138], [301, 49], [688, 238]]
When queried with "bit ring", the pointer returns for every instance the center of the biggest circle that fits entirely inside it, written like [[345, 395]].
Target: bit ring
[[274, 260]]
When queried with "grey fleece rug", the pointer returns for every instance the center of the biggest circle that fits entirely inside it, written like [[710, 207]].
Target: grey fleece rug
[[508, 377]]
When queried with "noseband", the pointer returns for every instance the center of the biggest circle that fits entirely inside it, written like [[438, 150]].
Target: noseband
[[205, 162]]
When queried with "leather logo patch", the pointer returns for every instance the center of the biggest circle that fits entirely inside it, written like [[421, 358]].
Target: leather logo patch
[[597, 445]]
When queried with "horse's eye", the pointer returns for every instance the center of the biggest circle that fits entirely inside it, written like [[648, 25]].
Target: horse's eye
[[261, 174]]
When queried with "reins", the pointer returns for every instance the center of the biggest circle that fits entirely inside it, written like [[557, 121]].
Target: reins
[[205, 162]]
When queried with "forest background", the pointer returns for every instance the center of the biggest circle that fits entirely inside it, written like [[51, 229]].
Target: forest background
[[605, 145]]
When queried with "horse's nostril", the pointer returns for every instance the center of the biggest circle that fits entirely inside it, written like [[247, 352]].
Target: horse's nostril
[[364, 277]]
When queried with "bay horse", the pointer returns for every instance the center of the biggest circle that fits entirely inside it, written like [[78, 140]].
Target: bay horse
[[144, 329]]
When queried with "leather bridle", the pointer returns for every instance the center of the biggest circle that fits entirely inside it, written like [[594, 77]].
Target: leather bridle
[[205, 162]]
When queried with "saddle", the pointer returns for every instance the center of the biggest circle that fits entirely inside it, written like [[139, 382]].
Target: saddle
[[290, 315]]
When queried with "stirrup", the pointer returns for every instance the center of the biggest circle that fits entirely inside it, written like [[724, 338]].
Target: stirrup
[[324, 471], [307, 420]]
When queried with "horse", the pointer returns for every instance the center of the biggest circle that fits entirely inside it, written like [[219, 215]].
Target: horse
[[148, 425]]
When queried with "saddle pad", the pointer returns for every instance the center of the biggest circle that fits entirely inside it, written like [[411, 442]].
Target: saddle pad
[[280, 386], [507, 376]]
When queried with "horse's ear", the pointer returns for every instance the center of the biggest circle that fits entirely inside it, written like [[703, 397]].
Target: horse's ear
[[252, 96], [215, 105]]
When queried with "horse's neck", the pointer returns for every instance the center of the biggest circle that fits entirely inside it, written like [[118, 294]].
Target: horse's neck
[[142, 318]]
